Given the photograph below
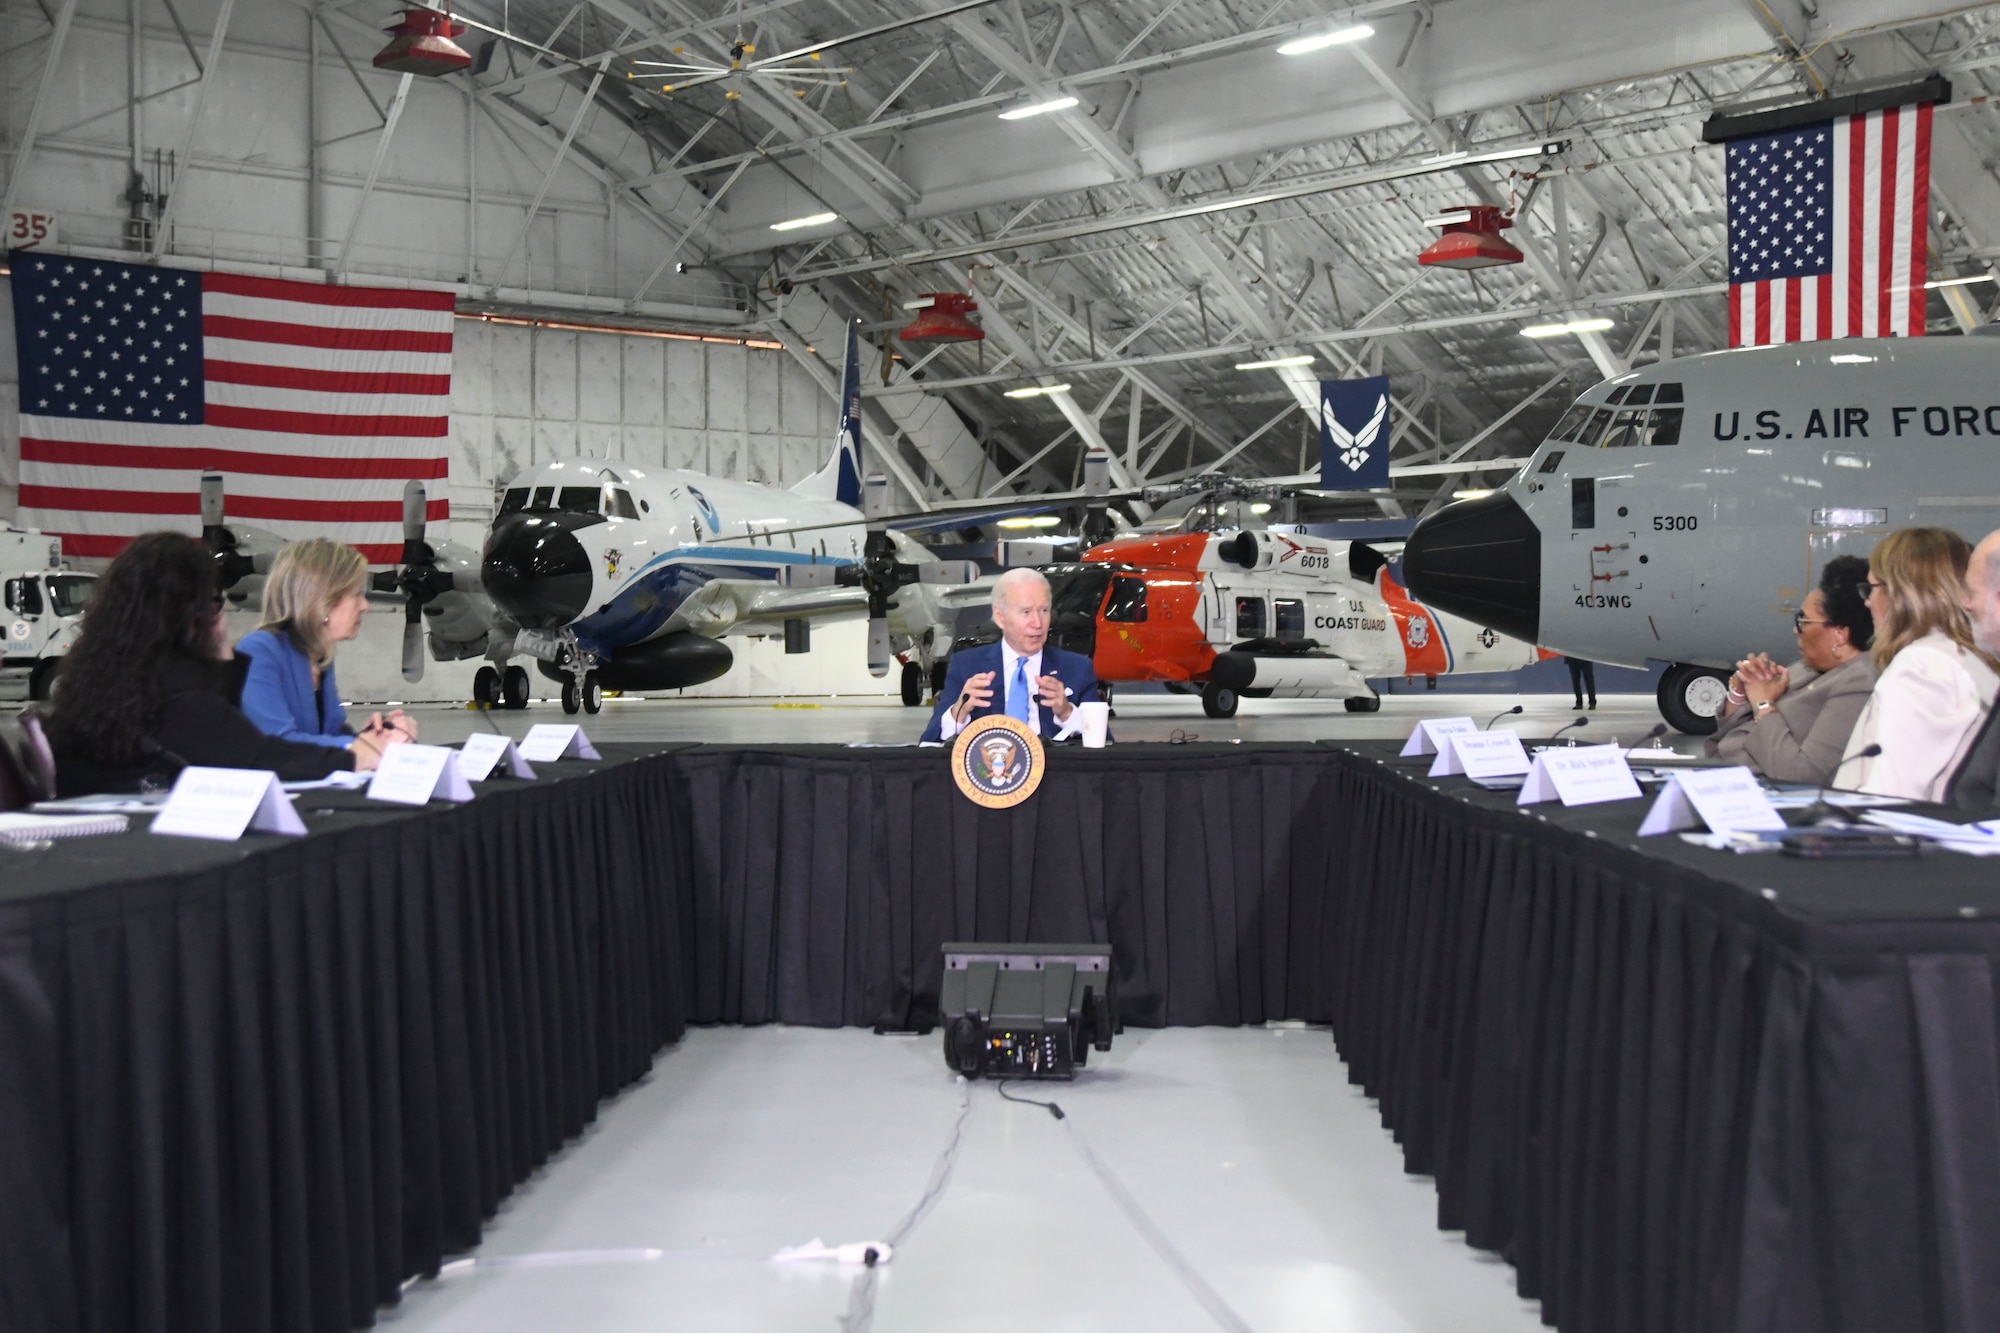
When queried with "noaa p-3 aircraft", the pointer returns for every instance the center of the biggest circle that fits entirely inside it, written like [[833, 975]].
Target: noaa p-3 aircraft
[[1682, 512], [626, 578]]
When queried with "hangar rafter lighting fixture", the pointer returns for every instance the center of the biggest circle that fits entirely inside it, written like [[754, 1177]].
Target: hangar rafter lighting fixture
[[1033, 521], [1319, 41], [815, 220], [1037, 390], [1572, 326], [1038, 108], [1277, 362]]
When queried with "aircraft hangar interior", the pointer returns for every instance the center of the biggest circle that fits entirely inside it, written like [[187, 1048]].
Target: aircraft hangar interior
[[977, 664]]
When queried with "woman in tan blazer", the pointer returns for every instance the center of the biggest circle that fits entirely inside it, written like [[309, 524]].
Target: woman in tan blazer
[[1791, 723], [1936, 684]]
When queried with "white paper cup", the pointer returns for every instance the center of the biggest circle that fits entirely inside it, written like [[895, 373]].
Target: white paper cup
[[1096, 724]]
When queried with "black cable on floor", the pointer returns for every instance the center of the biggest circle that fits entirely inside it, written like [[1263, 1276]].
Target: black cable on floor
[[860, 1314], [1050, 1107]]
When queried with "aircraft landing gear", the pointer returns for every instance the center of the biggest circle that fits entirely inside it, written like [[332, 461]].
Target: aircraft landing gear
[[486, 687], [913, 684], [582, 696], [593, 697], [514, 687], [572, 697], [1691, 696], [1218, 700]]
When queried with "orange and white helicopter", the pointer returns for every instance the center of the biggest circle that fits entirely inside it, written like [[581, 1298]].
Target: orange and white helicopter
[[1242, 611]]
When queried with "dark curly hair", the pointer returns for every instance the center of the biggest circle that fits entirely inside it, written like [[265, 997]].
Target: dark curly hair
[[154, 604], [1843, 582]]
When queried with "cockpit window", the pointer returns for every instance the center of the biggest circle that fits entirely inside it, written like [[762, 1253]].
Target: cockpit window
[[1669, 393], [579, 499], [1568, 428], [1641, 395], [1593, 430], [1127, 604], [544, 497], [1626, 430], [1665, 426], [618, 503], [514, 501], [1617, 395]]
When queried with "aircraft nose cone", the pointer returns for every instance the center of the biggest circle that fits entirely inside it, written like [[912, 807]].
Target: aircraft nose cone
[[537, 572], [1481, 559]]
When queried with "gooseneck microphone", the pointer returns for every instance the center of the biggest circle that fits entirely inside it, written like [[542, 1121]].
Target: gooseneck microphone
[[1659, 730], [1505, 712], [1580, 722]]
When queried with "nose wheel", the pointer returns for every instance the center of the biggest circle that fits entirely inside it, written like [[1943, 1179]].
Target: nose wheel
[[1218, 700], [486, 687], [586, 697]]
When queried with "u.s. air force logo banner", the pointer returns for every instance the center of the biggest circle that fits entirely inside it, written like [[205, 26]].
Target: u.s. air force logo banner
[[997, 762], [1354, 434]]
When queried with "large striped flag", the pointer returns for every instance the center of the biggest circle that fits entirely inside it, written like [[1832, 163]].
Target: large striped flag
[[316, 403], [1827, 229]]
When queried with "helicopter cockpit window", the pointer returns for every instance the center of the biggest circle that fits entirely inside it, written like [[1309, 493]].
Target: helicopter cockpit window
[[1249, 617], [1291, 618], [514, 501], [1127, 603], [1079, 594], [579, 499], [618, 503]]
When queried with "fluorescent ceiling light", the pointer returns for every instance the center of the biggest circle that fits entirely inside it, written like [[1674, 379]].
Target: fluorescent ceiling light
[[921, 303], [1037, 390], [1039, 108], [816, 220], [1573, 326], [1260, 509], [1033, 521], [1276, 362], [1449, 219], [1438, 159], [1958, 282], [1470, 495], [1299, 46]]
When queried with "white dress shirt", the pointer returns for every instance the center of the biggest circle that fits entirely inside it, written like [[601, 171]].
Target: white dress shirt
[[950, 726]]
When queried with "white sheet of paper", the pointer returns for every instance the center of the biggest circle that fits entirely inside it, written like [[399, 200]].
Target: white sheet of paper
[[481, 754], [1723, 799], [414, 774], [1579, 775], [1479, 754], [549, 741], [1428, 738], [223, 803]]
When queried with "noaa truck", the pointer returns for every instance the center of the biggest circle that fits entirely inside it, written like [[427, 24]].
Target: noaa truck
[[43, 609]]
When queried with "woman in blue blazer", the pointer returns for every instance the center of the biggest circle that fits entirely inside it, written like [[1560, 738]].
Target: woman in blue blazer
[[313, 599]]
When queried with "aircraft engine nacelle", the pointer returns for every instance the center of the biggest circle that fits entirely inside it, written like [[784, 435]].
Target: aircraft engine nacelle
[[1247, 550], [671, 662]]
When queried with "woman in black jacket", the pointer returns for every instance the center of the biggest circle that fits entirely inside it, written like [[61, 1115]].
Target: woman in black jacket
[[148, 688]]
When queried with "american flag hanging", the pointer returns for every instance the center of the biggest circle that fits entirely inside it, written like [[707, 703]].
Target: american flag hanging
[[1827, 229], [316, 402]]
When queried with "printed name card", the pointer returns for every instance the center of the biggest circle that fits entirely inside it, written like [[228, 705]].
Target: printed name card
[[1579, 775], [550, 741], [481, 755], [414, 774], [1429, 736], [222, 803], [1479, 754], [1725, 799]]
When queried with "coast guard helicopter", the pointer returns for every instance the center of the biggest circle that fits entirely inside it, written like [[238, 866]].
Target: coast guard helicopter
[[1681, 512]]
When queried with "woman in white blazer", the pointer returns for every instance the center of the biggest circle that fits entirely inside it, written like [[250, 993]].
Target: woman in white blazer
[[1936, 684]]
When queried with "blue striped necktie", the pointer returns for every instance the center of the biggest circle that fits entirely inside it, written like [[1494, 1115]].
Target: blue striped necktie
[[1017, 693]]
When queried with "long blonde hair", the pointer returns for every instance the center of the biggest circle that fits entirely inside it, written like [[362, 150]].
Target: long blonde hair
[[1922, 573], [307, 580]]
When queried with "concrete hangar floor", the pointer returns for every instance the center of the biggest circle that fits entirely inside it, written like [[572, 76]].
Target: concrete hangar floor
[[1270, 1176]]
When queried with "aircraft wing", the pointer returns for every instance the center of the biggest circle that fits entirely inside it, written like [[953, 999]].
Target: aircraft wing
[[738, 606]]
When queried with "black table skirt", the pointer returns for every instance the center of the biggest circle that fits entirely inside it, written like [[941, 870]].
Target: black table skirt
[[257, 1087], [260, 1094]]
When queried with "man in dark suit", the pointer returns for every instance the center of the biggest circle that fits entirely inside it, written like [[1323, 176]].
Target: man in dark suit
[[1021, 675], [1975, 788]]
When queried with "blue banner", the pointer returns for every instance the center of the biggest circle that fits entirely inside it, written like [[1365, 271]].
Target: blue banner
[[1354, 434]]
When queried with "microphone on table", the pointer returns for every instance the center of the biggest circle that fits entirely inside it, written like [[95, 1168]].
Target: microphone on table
[[1819, 811], [1507, 712], [1659, 730], [1580, 722]]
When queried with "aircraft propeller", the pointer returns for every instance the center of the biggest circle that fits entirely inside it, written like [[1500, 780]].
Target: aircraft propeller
[[881, 572], [232, 564], [417, 577]]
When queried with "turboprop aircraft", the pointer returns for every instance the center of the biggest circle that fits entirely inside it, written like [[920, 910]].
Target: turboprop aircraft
[[1682, 512]]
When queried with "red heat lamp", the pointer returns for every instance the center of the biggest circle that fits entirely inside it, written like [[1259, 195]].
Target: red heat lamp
[[1472, 241], [944, 319], [423, 45]]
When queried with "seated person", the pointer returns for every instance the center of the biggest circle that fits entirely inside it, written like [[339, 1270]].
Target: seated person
[[1975, 787], [1936, 685], [1791, 724], [313, 599], [147, 688], [1020, 675]]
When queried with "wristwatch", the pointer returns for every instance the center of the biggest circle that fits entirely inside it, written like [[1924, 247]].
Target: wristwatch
[[1762, 704]]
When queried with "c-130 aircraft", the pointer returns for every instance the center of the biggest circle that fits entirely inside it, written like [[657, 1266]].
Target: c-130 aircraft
[[1681, 512]]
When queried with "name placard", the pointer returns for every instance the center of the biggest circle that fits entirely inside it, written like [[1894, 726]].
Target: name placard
[[223, 803], [414, 774], [1725, 799], [1579, 775], [1479, 754], [1428, 738], [482, 754], [549, 741]]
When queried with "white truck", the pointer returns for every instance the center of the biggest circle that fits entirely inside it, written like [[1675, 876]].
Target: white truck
[[43, 608]]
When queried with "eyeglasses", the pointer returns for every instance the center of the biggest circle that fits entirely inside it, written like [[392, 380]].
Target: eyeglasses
[[1872, 586], [1799, 622]]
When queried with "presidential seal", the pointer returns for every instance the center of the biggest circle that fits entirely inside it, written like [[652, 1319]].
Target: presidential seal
[[997, 762]]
